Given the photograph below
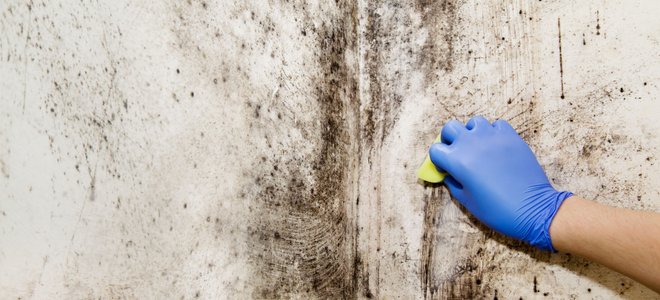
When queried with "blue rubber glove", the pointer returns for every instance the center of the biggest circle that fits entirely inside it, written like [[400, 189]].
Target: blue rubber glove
[[495, 175]]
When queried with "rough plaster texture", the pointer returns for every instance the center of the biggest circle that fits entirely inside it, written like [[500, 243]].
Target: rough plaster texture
[[266, 149]]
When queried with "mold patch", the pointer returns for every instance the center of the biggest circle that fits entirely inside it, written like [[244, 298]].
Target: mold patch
[[441, 20], [301, 234], [431, 211]]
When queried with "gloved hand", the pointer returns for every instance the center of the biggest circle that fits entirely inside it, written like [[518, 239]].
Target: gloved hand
[[494, 174]]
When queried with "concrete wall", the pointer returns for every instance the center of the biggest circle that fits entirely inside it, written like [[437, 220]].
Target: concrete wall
[[267, 149]]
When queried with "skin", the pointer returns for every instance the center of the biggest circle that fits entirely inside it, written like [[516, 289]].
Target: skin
[[624, 240]]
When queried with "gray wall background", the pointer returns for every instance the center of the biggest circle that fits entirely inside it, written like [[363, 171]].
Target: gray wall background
[[267, 149]]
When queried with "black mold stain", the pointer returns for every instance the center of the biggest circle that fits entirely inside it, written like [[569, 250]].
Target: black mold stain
[[526, 118], [302, 239], [561, 58], [597, 22], [463, 284], [303, 221], [595, 146], [442, 19], [459, 289], [536, 289], [380, 111], [468, 280], [431, 210]]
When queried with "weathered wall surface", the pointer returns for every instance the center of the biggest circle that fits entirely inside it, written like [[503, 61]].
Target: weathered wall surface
[[267, 149]]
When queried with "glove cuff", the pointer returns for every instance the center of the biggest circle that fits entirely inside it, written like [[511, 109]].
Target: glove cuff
[[545, 242]]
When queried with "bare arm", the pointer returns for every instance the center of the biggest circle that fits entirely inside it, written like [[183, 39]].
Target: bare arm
[[624, 240]]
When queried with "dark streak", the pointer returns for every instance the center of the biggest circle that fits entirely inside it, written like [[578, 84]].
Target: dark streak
[[302, 238], [597, 22], [381, 110], [441, 18], [92, 188], [431, 210], [536, 290], [25, 58], [462, 285], [561, 58]]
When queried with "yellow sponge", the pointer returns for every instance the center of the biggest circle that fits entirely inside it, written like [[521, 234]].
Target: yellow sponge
[[427, 170]]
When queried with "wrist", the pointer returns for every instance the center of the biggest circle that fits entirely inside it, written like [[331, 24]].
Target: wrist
[[563, 225]]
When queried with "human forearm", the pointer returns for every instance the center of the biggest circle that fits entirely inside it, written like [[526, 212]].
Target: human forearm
[[625, 240]]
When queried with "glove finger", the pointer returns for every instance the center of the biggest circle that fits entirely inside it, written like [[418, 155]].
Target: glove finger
[[451, 131], [477, 122], [455, 188], [503, 125], [440, 155]]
